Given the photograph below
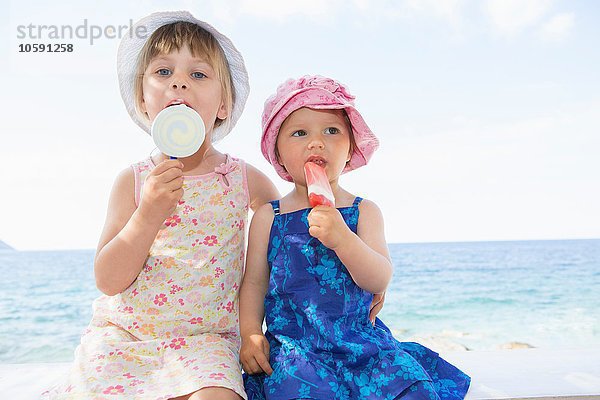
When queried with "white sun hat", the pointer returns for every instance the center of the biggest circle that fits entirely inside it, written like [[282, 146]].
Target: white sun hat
[[128, 57]]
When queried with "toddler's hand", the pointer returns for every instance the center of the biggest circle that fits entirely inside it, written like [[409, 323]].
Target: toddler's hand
[[327, 225], [162, 190], [376, 306], [254, 354]]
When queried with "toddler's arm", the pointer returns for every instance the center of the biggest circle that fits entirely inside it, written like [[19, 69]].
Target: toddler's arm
[[129, 231], [254, 353], [365, 254]]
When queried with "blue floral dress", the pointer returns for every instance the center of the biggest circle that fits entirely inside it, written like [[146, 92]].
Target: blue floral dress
[[323, 345]]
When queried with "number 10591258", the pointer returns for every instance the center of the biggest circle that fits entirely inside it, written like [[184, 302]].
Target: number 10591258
[[45, 48]]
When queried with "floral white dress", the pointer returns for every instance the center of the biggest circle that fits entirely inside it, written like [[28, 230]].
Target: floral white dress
[[175, 329]]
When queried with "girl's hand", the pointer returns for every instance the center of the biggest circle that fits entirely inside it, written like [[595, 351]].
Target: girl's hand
[[254, 354], [327, 225], [162, 191]]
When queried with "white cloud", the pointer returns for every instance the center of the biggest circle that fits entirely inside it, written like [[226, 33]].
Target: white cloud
[[280, 10], [510, 17], [507, 18], [362, 5], [558, 27], [448, 10]]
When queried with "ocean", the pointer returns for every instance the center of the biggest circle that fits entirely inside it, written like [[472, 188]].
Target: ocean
[[472, 295]]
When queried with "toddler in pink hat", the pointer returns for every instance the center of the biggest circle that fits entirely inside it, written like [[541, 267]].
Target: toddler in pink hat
[[316, 93], [312, 273]]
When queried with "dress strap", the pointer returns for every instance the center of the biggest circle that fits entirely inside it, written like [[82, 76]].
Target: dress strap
[[357, 201], [275, 205]]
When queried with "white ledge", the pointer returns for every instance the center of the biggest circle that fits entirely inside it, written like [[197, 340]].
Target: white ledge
[[524, 374], [531, 373]]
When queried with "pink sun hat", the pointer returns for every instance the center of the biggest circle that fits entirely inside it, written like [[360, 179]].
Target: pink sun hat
[[319, 93]]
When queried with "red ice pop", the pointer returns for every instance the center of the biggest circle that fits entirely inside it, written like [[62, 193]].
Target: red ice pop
[[319, 190]]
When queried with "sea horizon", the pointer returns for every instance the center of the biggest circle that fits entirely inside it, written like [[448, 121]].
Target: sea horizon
[[9, 247]]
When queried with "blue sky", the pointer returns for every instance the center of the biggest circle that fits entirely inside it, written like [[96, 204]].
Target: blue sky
[[488, 111]]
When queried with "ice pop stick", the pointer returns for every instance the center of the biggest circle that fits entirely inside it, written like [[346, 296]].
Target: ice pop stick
[[178, 131], [319, 190]]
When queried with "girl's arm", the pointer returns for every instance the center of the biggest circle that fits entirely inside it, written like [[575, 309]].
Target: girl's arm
[[254, 353], [365, 253], [129, 231], [260, 187]]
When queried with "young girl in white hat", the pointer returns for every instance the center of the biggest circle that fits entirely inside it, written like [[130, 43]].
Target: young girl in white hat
[[313, 272], [170, 257]]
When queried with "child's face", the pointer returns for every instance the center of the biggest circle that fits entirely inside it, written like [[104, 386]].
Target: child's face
[[179, 77], [321, 136]]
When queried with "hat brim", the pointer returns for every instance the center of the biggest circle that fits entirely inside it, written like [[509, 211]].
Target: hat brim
[[128, 58]]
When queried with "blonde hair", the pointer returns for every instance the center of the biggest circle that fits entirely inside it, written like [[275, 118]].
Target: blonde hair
[[201, 43]]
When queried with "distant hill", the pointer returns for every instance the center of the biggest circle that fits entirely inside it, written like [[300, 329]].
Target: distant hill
[[4, 246]]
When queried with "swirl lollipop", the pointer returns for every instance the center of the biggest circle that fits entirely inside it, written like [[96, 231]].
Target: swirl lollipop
[[178, 131]]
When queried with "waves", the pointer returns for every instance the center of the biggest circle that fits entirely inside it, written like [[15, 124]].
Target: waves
[[449, 296], [496, 293]]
